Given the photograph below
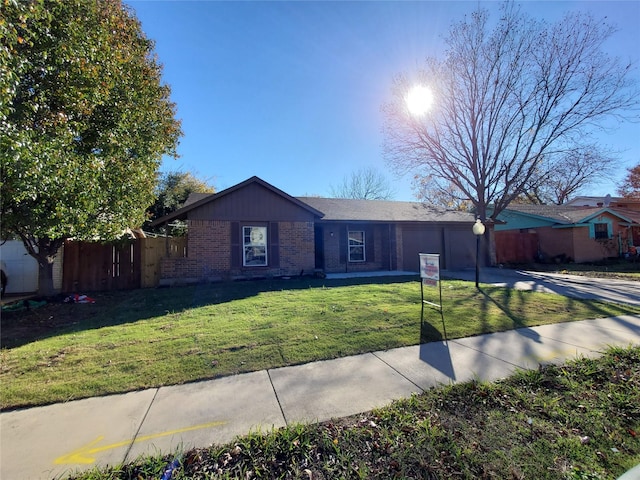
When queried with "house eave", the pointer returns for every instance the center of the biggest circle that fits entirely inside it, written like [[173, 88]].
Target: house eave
[[570, 225]]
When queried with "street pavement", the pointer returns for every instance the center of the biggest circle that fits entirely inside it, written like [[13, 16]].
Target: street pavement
[[56, 440]]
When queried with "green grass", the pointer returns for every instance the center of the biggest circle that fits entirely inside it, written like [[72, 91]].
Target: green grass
[[575, 421], [147, 338], [616, 268]]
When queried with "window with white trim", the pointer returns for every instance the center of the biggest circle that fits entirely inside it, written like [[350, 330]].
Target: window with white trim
[[254, 246], [356, 246]]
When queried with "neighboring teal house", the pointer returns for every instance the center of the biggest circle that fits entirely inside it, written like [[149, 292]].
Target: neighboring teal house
[[566, 233]]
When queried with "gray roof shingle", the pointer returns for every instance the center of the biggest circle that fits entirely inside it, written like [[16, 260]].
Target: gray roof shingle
[[567, 214], [195, 197], [559, 213], [341, 209]]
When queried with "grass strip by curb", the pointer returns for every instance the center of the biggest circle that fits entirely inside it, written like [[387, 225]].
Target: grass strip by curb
[[575, 421]]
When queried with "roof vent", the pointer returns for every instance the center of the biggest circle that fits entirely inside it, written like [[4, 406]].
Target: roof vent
[[607, 200]]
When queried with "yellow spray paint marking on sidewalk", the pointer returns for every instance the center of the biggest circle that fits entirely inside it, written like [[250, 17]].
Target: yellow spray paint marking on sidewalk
[[552, 355], [86, 453]]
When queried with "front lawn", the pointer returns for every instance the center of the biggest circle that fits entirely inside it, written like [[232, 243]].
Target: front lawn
[[148, 338]]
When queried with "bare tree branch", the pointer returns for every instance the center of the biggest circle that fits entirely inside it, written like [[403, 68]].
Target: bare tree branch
[[569, 173], [510, 105], [365, 184]]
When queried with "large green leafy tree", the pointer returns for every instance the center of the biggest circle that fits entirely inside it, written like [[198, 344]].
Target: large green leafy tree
[[172, 191], [85, 120]]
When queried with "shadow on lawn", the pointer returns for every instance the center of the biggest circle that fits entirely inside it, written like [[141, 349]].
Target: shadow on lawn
[[434, 346], [122, 307], [511, 302]]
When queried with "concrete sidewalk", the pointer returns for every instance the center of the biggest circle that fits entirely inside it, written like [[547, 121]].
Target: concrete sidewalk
[[53, 441]]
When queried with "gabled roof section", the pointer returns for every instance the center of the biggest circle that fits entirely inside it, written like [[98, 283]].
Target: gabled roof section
[[571, 215], [632, 217], [558, 213], [195, 197], [341, 209], [197, 200]]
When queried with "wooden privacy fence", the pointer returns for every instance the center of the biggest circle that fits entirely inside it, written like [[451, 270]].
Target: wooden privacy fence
[[153, 251], [134, 263], [516, 247]]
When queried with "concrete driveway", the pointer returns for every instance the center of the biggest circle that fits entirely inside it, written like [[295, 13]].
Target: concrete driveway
[[576, 286]]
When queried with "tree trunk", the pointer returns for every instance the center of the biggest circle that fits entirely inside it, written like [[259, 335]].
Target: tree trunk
[[44, 250], [45, 278]]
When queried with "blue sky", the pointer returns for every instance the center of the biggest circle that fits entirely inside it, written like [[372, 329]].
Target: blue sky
[[291, 91]]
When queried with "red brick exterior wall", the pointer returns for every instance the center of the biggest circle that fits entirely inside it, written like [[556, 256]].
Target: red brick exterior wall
[[210, 244], [591, 250], [297, 248], [209, 254], [577, 244]]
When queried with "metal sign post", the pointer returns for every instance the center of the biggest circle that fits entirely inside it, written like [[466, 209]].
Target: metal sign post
[[430, 276]]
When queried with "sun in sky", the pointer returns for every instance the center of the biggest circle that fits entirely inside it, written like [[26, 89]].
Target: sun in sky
[[419, 100]]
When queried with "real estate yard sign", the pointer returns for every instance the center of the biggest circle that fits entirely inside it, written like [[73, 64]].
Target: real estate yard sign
[[430, 275], [430, 268]]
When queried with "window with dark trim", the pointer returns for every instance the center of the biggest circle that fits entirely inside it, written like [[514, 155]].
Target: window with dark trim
[[356, 246], [254, 246], [601, 231]]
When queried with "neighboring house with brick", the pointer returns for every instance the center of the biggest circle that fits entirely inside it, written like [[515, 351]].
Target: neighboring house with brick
[[566, 233], [253, 230]]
